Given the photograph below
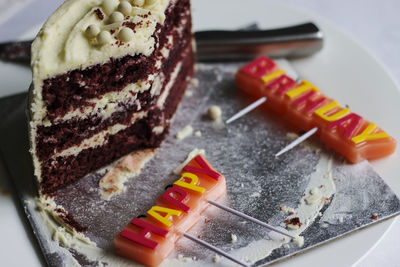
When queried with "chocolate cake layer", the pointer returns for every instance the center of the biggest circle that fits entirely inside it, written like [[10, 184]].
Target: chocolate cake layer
[[64, 170], [57, 137], [72, 90]]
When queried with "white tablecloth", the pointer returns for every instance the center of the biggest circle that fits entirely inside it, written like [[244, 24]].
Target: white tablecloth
[[374, 23]]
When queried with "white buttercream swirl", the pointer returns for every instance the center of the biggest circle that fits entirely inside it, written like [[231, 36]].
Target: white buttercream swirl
[[63, 43]]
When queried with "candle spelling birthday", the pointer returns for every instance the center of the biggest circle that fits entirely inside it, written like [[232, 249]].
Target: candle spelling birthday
[[304, 107]]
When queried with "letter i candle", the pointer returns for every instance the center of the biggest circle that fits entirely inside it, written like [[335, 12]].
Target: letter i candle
[[304, 107]]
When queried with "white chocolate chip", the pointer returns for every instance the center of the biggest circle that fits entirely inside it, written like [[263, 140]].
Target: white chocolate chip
[[214, 112], [110, 6], [150, 2], [216, 258], [116, 17], [125, 8], [92, 31], [104, 38], [126, 34], [138, 2]]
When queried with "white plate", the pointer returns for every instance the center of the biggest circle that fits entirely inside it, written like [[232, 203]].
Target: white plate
[[342, 70]]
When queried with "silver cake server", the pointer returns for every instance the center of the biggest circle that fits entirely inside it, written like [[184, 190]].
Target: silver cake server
[[221, 45], [294, 41]]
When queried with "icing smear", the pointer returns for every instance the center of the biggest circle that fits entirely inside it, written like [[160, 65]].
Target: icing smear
[[60, 233], [113, 183], [321, 187]]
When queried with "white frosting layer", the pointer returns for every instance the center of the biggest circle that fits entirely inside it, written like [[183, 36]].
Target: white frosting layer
[[75, 37], [63, 44]]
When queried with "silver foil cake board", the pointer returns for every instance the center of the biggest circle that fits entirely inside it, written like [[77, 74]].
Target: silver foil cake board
[[257, 183]]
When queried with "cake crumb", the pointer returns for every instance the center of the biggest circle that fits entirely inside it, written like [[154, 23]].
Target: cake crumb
[[293, 223], [234, 238], [189, 93], [184, 259], [197, 133], [185, 132], [216, 258], [190, 156], [299, 241], [214, 112], [194, 82], [292, 136]]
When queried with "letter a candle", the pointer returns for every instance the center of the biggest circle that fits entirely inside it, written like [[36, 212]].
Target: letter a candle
[[304, 107]]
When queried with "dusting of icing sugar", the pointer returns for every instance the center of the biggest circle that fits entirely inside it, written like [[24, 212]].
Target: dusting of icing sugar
[[306, 212], [128, 167]]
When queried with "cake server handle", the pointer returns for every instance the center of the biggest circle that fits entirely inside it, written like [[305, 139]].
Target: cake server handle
[[294, 41], [16, 51]]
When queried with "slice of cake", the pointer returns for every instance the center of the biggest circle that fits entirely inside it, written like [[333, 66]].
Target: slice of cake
[[107, 78]]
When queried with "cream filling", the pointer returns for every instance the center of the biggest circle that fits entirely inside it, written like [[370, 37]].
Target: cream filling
[[36, 164], [167, 89], [108, 104], [100, 138]]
